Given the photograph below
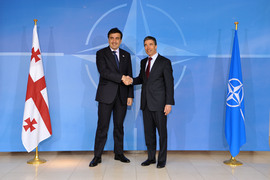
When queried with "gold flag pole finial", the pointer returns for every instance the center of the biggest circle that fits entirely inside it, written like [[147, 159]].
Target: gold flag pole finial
[[35, 21], [236, 23]]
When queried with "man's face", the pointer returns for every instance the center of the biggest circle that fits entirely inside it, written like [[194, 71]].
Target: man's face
[[115, 40], [150, 47]]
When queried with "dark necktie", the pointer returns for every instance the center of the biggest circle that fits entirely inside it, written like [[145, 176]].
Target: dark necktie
[[116, 59], [148, 67]]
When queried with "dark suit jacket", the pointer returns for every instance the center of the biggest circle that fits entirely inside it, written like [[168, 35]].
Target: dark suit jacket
[[158, 89], [110, 76]]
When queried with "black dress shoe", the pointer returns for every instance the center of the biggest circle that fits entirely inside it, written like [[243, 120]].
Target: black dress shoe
[[95, 161], [148, 162], [121, 158], [161, 164]]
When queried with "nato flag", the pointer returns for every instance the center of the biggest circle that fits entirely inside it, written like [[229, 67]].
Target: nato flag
[[235, 111]]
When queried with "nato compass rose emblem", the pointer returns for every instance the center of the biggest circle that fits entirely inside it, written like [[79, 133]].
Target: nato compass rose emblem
[[235, 94]]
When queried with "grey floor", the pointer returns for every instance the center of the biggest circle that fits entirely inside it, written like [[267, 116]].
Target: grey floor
[[180, 165]]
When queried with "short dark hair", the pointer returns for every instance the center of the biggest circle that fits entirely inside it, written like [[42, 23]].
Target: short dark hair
[[150, 38], [115, 30]]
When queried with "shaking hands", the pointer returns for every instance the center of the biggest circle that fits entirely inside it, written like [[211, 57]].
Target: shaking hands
[[127, 80]]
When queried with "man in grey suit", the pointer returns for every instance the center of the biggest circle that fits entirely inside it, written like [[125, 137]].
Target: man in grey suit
[[157, 98], [114, 65]]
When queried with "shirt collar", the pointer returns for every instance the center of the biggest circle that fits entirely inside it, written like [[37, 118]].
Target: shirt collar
[[154, 57], [117, 50]]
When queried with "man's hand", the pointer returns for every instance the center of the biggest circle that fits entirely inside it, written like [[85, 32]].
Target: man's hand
[[167, 109], [127, 80], [129, 101]]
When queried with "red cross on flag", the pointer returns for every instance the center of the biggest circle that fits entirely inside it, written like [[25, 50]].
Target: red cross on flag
[[36, 118]]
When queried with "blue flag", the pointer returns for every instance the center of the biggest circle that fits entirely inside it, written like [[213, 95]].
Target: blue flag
[[235, 111]]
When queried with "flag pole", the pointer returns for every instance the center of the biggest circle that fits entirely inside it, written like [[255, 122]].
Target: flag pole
[[35, 21], [36, 159], [236, 24], [233, 161]]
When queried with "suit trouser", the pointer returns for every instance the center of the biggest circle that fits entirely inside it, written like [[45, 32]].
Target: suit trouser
[[153, 120], [104, 116]]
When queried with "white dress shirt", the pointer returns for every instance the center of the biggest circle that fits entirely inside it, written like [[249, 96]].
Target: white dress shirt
[[154, 57], [117, 53]]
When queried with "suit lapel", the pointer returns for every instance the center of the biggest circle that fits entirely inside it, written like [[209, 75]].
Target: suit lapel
[[122, 58], [111, 57], [155, 66]]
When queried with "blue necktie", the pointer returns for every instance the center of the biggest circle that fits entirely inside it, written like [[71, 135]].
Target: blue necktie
[[116, 59]]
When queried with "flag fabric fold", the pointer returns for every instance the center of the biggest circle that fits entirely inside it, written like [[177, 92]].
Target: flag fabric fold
[[36, 125], [235, 132]]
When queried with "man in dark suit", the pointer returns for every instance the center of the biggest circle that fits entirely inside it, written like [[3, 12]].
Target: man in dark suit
[[157, 97], [114, 65]]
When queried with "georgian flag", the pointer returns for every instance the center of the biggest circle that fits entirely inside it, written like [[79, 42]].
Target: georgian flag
[[36, 118]]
